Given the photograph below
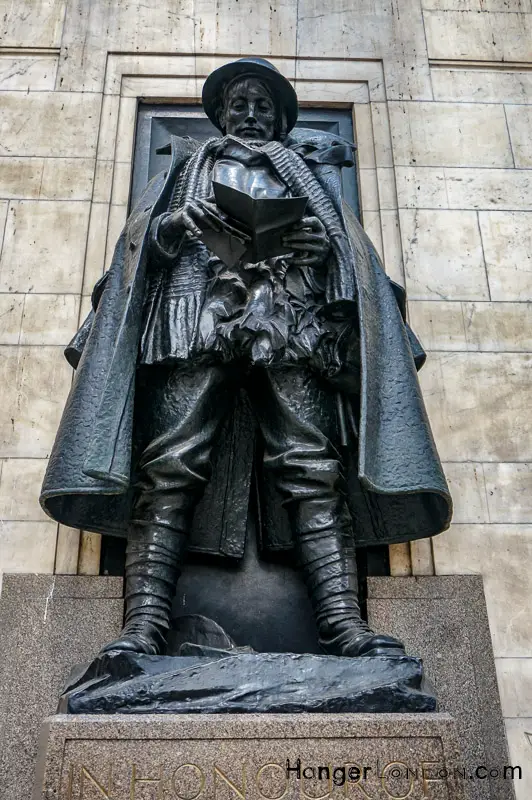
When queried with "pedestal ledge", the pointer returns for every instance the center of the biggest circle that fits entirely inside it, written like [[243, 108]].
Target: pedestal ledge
[[250, 757], [130, 683]]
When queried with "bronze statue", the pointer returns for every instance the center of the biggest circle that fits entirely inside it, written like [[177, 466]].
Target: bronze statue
[[315, 335]]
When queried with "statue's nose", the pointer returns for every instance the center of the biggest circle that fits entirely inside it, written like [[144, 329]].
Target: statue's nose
[[251, 112]]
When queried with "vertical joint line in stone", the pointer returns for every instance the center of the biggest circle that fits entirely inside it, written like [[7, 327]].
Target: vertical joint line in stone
[[483, 255], [509, 135]]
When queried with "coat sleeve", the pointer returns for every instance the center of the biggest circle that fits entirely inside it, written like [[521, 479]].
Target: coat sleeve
[[75, 347]]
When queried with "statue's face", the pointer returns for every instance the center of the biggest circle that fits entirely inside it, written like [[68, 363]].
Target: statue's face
[[249, 111]]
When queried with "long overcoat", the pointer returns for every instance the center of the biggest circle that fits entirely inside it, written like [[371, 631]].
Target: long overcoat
[[396, 487]]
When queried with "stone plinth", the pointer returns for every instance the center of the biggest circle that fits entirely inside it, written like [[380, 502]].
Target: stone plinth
[[380, 756], [47, 624]]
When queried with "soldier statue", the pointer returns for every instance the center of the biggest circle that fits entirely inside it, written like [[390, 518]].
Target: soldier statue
[[315, 338]]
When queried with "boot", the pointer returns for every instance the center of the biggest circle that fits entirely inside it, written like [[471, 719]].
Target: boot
[[153, 558], [327, 558]]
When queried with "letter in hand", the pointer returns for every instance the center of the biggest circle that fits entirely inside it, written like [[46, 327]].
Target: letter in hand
[[193, 218], [309, 241]]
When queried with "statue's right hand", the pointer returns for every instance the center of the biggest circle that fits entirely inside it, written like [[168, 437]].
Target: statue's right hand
[[192, 217]]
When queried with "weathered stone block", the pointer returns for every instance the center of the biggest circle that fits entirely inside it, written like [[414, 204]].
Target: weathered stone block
[[223, 756], [473, 35], [47, 623], [444, 620], [507, 240], [449, 134], [443, 255], [479, 407], [497, 553], [34, 385], [48, 123], [44, 246]]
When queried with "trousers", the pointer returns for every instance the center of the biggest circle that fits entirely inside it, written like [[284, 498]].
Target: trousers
[[181, 411]]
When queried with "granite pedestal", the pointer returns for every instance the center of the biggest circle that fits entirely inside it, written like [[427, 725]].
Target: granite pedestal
[[50, 623], [250, 757]]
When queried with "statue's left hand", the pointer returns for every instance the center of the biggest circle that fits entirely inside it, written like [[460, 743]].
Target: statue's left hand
[[309, 241]]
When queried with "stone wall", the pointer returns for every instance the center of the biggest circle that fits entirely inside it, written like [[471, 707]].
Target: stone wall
[[441, 92]]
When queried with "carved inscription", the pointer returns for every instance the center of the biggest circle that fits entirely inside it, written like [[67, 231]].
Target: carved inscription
[[394, 780]]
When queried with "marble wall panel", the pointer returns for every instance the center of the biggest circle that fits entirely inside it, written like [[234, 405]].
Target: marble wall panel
[[44, 246], [200, 65], [67, 551], [242, 26], [507, 242], [481, 85], [501, 554], [519, 123], [468, 489], [470, 35], [29, 24], [34, 384], [368, 29], [20, 483], [509, 492], [49, 319], [438, 324], [449, 134], [514, 676], [86, 306], [485, 326], [363, 124], [372, 225], [249, 27], [443, 257], [319, 70], [421, 557], [27, 547], [369, 189], [407, 75], [391, 245], [28, 72], [103, 181], [20, 178], [332, 92], [421, 187], [96, 244], [38, 318], [125, 136], [117, 219], [48, 123], [519, 735], [11, 308], [4, 207], [463, 188], [387, 188], [479, 405], [46, 178], [343, 31], [478, 5], [91, 29], [164, 86], [509, 189], [67, 179], [498, 326], [108, 127], [121, 184], [381, 137]]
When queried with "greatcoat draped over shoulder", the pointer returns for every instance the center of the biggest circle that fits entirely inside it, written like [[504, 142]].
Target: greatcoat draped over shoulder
[[396, 487]]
